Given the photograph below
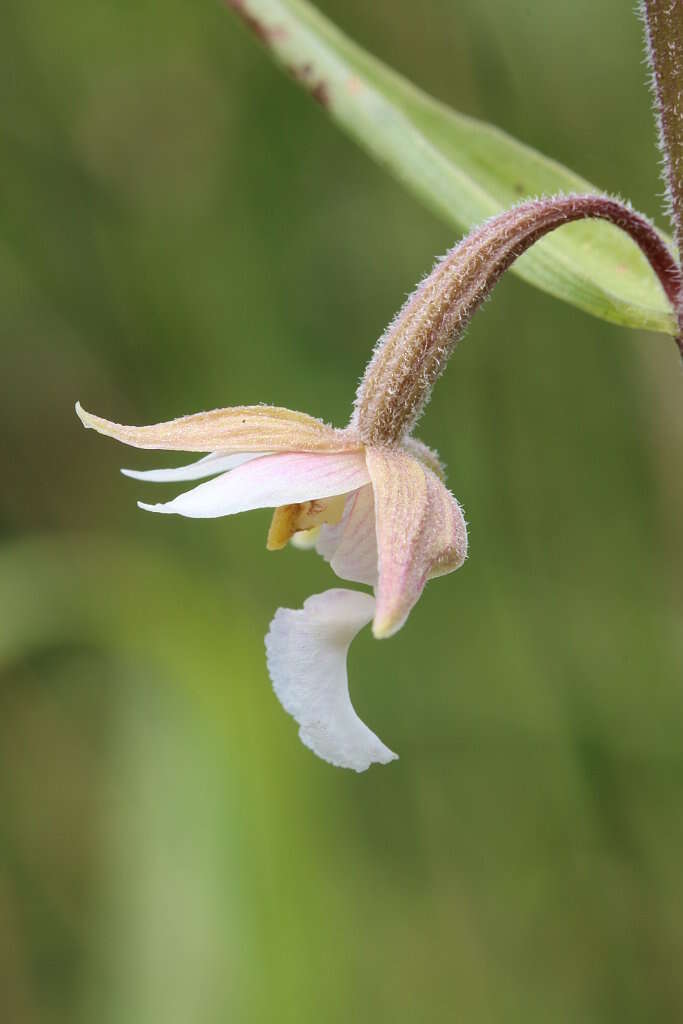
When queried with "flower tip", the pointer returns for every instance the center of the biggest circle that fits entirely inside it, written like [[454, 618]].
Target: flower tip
[[90, 421], [153, 508], [385, 626], [83, 416], [382, 756]]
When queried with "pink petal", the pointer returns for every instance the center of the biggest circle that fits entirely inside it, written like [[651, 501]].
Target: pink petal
[[270, 481], [421, 533], [306, 652], [351, 545]]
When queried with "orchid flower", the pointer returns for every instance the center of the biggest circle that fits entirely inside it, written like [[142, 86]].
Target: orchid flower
[[370, 497]]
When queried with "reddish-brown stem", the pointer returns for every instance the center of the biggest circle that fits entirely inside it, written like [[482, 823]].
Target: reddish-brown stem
[[416, 347], [664, 38], [663, 21]]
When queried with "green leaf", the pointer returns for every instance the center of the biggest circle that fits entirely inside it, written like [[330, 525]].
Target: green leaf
[[464, 169]]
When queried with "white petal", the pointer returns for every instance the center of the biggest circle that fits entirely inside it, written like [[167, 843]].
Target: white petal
[[351, 545], [270, 481], [216, 462], [306, 652]]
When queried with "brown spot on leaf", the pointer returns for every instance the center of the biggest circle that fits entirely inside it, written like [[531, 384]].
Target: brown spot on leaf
[[305, 75], [266, 34], [320, 94]]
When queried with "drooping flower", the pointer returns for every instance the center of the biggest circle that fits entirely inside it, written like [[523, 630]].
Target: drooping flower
[[380, 516], [370, 497]]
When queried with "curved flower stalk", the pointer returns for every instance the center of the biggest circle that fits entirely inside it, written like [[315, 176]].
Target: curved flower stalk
[[370, 498]]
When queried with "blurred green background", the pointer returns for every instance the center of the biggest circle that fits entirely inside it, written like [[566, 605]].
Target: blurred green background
[[181, 228]]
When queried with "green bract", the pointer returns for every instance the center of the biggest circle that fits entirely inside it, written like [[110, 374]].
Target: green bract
[[464, 169]]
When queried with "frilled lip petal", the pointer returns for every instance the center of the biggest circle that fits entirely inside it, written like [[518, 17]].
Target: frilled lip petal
[[247, 428], [306, 651], [210, 465], [421, 533], [271, 481]]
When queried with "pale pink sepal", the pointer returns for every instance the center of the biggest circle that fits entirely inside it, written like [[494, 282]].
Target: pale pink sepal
[[209, 465], [306, 651], [421, 533], [270, 481], [351, 545]]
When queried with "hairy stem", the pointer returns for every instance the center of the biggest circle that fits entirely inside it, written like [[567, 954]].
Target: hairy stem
[[416, 346], [664, 37]]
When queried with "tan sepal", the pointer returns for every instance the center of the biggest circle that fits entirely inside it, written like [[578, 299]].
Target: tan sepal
[[290, 519], [246, 428], [421, 533], [427, 456]]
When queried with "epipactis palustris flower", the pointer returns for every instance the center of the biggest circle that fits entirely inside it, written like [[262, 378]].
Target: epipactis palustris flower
[[370, 498]]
